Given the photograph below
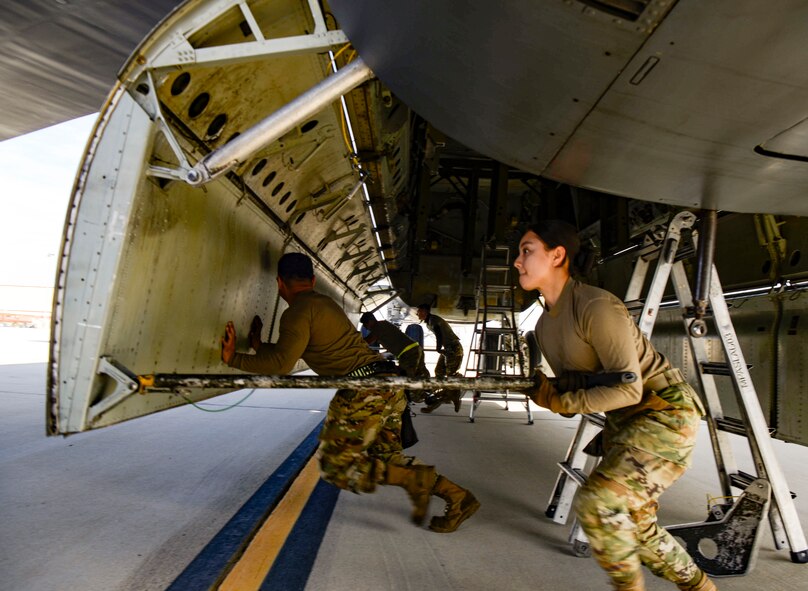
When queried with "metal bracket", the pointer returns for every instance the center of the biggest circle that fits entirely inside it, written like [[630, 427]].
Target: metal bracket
[[728, 547], [177, 173], [180, 52], [334, 235], [128, 384], [669, 247]]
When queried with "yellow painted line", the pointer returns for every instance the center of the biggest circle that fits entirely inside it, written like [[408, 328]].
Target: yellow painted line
[[253, 566]]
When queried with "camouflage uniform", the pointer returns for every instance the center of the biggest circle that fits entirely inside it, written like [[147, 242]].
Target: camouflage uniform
[[447, 343], [362, 429], [412, 362], [361, 435], [449, 361], [451, 353], [644, 455], [409, 354], [648, 438], [360, 443]]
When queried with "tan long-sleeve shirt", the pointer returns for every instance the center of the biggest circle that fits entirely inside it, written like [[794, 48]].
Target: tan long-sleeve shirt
[[313, 328], [589, 330]]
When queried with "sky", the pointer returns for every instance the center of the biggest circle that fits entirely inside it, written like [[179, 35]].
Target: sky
[[36, 177]]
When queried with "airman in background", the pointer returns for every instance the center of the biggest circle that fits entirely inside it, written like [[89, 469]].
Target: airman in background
[[450, 357], [407, 352]]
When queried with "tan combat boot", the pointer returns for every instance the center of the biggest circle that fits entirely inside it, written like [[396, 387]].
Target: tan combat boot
[[699, 583], [418, 481], [460, 505]]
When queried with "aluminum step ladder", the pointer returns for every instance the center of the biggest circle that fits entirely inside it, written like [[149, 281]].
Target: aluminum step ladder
[[783, 517], [495, 349]]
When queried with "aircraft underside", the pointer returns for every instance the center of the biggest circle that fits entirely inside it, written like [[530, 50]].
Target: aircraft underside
[[225, 144]]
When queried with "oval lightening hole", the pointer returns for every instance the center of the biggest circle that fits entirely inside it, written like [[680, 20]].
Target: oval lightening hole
[[300, 217], [291, 206], [277, 189], [285, 197], [180, 83], [269, 178], [215, 127], [198, 105], [306, 127], [259, 166]]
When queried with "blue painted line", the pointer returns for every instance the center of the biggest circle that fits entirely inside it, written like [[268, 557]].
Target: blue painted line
[[294, 562], [210, 566]]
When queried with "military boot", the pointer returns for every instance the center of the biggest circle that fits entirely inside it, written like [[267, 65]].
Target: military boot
[[456, 396], [699, 583], [432, 402], [460, 505], [418, 481]]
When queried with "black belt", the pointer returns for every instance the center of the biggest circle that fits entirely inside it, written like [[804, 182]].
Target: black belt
[[372, 369]]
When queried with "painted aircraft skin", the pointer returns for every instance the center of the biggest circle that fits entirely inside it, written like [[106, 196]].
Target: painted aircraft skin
[[474, 124]]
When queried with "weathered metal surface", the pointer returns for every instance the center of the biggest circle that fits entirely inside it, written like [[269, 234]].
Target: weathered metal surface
[[729, 546], [180, 381]]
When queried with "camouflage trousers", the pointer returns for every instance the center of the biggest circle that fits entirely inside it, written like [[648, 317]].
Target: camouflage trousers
[[618, 504], [447, 365], [449, 361], [412, 364], [361, 435]]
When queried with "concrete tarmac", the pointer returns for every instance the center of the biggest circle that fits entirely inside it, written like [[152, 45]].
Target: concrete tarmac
[[128, 507]]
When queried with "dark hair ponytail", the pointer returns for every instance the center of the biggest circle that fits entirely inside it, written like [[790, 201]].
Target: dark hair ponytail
[[560, 233]]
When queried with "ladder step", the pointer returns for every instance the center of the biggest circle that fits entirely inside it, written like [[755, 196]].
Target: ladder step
[[496, 352], [718, 369], [731, 425], [496, 330], [497, 268], [496, 397], [741, 479], [496, 309], [634, 306], [576, 474], [497, 248]]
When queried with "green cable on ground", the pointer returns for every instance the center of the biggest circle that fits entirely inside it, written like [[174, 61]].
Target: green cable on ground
[[195, 405]]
